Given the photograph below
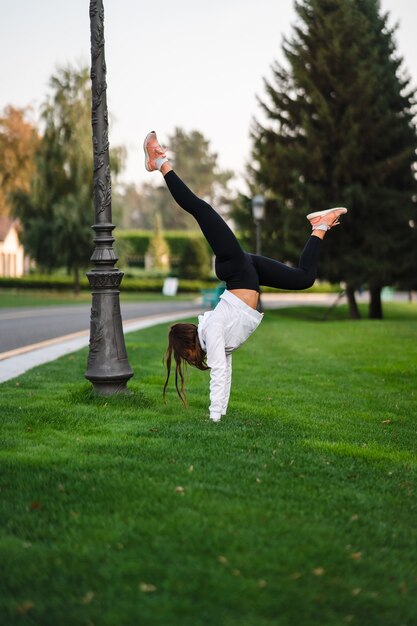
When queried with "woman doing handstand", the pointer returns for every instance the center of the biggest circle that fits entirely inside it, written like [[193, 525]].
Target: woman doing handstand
[[209, 345]]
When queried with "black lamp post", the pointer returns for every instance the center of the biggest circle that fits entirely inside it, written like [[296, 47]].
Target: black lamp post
[[258, 212], [108, 367]]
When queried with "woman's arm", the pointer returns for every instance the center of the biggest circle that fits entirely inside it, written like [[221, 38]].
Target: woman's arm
[[227, 383], [216, 360]]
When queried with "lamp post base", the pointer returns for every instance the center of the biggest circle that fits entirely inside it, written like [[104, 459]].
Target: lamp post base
[[108, 367], [109, 388]]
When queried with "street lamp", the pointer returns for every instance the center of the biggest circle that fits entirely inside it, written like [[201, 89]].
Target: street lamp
[[108, 368], [258, 212]]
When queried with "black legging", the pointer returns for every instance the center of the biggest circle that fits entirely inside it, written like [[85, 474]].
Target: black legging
[[237, 268]]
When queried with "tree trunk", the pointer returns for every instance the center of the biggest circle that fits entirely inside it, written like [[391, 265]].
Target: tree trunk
[[76, 281], [354, 313], [375, 303]]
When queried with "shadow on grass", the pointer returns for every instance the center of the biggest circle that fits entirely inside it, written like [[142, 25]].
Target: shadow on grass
[[392, 312]]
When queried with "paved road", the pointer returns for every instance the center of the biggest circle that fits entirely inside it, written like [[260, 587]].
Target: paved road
[[26, 326]]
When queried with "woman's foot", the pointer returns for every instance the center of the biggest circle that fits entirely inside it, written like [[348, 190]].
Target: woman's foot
[[155, 154], [325, 220]]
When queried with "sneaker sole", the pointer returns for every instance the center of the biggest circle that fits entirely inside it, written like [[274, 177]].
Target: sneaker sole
[[147, 159], [322, 213]]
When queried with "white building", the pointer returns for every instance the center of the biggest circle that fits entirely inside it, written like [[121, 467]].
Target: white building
[[12, 255]]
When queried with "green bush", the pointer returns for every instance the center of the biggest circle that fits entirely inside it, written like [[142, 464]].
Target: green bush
[[65, 283], [153, 283], [42, 281], [158, 252], [195, 260], [137, 243]]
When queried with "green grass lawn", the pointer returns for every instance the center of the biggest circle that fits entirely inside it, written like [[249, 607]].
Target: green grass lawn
[[298, 509]]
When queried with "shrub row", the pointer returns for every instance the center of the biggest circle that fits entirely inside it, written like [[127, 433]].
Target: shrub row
[[66, 283], [138, 241]]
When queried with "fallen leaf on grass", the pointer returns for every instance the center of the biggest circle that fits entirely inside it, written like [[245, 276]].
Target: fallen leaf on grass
[[318, 571], [88, 597], [406, 486], [25, 607], [191, 468], [236, 572], [262, 584], [403, 587], [356, 556], [147, 588], [354, 518], [222, 559], [356, 591], [35, 505], [295, 576], [180, 490]]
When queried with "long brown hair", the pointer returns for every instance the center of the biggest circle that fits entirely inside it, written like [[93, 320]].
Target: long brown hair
[[184, 343]]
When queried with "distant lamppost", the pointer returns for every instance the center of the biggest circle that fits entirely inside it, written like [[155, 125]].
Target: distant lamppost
[[108, 368], [258, 212]]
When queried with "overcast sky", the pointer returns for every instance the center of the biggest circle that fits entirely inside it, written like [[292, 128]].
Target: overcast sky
[[189, 63]]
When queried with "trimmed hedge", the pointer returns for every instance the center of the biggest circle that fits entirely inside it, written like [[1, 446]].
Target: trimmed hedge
[[138, 240], [66, 283]]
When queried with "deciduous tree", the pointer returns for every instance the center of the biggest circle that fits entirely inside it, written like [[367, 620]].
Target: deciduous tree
[[57, 212], [18, 142]]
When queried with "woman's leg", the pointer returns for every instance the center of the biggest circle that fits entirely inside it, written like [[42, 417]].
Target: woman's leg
[[275, 274], [219, 236]]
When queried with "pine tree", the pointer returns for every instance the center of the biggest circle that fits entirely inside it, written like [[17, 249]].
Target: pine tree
[[340, 132]]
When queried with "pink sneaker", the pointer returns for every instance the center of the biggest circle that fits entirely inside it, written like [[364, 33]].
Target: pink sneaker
[[325, 220], [155, 154]]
